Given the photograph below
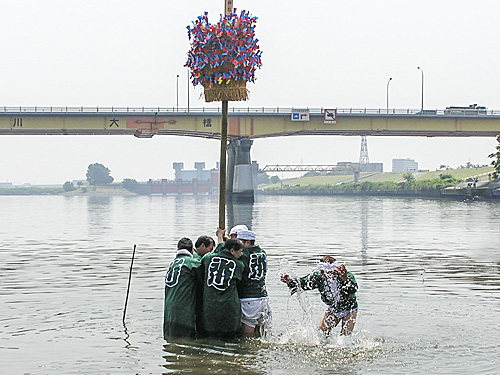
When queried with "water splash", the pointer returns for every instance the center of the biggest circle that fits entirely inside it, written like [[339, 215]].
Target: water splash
[[304, 332], [340, 354]]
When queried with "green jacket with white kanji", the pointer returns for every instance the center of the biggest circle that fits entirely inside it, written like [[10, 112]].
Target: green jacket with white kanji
[[221, 316], [253, 284], [181, 289]]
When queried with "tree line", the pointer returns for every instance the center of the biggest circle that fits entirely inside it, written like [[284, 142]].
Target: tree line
[[97, 175]]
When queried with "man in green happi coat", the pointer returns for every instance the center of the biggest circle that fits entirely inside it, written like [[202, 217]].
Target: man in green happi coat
[[181, 289], [338, 289], [203, 245], [223, 271], [255, 307]]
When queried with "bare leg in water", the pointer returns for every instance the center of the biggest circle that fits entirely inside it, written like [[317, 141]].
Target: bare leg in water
[[330, 321], [248, 331]]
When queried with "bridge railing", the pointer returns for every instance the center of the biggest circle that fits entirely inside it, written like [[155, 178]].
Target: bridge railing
[[88, 109], [242, 110]]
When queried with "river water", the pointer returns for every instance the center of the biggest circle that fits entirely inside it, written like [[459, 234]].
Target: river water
[[428, 274]]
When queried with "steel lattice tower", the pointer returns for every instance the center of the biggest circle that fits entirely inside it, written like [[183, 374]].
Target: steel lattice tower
[[363, 155]]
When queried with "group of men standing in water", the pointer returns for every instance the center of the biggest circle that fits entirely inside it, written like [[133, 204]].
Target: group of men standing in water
[[217, 291]]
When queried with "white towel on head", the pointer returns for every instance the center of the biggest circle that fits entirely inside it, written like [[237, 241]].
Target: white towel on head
[[324, 266], [237, 228]]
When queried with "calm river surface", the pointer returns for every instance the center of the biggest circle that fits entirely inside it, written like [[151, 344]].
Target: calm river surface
[[428, 274]]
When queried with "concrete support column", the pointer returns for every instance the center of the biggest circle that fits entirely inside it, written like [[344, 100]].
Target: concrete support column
[[356, 176], [240, 179], [231, 151]]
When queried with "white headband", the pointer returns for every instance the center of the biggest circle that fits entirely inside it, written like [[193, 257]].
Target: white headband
[[323, 266], [237, 228]]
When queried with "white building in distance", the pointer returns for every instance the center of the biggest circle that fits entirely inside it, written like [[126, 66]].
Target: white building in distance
[[404, 165]]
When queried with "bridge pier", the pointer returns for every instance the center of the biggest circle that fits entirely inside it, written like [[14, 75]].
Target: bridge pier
[[240, 179]]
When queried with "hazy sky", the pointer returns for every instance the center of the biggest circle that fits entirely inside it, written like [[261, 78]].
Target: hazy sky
[[321, 53]]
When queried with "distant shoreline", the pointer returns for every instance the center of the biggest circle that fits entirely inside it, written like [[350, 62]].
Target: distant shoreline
[[459, 193], [88, 191]]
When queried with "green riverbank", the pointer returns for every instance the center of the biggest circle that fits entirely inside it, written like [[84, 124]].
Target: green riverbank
[[102, 191], [464, 183]]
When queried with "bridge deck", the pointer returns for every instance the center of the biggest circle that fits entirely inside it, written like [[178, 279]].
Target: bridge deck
[[244, 122]]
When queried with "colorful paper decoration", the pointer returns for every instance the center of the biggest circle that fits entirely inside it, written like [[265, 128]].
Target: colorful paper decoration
[[224, 56]]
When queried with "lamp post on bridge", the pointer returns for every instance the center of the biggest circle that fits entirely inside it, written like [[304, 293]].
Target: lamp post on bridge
[[177, 93], [422, 106], [389, 81]]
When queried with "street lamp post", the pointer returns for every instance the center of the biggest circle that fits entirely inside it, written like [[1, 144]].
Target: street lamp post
[[422, 105], [177, 93], [389, 81]]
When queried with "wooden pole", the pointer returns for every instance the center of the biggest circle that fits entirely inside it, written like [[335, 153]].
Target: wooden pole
[[222, 167], [128, 287], [228, 9]]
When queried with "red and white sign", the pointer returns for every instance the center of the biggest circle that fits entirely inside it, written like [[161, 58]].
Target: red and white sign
[[330, 116]]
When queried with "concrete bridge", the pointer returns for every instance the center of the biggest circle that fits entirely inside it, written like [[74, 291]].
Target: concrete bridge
[[246, 124]]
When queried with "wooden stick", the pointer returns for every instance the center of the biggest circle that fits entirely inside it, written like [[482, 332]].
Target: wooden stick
[[222, 166], [128, 288], [228, 9]]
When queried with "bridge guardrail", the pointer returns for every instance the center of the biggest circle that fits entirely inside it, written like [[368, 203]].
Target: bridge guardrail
[[242, 110]]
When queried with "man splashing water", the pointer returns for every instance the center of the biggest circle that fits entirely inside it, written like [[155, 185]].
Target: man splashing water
[[338, 289]]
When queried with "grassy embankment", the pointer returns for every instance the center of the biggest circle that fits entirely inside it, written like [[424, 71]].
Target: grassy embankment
[[385, 181], [107, 190], [32, 190]]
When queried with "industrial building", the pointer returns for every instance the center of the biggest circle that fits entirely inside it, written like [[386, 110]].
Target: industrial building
[[404, 165], [198, 181]]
